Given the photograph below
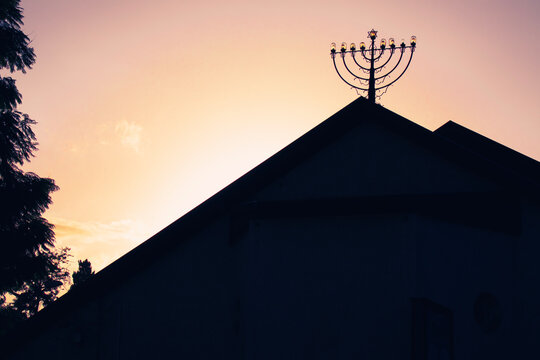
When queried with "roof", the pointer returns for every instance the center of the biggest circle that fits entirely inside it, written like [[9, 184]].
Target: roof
[[491, 150], [451, 141]]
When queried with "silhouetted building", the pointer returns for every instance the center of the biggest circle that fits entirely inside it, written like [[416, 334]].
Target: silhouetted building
[[369, 237]]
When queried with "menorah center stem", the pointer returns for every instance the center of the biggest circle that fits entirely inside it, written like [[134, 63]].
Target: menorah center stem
[[371, 89]]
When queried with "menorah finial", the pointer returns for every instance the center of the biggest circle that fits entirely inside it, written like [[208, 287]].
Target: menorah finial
[[371, 56]]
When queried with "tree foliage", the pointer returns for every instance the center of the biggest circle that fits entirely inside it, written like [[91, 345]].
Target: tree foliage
[[15, 52], [84, 273], [40, 291], [29, 263]]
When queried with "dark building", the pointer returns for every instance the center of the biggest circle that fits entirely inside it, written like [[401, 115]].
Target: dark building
[[369, 237]]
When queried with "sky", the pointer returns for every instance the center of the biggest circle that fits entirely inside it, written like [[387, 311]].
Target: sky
[[147, 108]]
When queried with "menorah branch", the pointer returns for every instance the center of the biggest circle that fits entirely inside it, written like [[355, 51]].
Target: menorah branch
[[357, 64], [394, 68], [387, 61], [365, 57], [342, 78], [400, 75], [350, 72]]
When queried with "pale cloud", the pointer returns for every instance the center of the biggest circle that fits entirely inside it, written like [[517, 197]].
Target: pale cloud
[[130, 134], [101, 243]]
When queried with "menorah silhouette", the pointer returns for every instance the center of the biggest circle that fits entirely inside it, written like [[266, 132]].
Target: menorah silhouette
[[373, 55]]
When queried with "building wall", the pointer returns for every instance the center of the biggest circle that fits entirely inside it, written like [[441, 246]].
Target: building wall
[[369, 161], [324, 286], [527, 295], [181, 306], [330, 287]]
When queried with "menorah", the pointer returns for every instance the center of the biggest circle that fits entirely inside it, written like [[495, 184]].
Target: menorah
[[373, 55]]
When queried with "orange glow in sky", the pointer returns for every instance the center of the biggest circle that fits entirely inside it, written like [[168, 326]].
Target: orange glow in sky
[[147, 108]]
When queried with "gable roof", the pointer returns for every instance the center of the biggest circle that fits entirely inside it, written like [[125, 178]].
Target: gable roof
[[450, 141], [490, 150]]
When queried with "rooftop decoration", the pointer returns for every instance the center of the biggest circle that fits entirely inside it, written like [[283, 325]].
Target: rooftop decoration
[[369, 60]]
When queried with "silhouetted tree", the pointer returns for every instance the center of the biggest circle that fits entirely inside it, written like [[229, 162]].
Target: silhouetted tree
[[43, 290], [27, 254], [84, 273]]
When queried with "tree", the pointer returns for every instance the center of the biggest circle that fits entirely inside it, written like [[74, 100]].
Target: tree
[[43, 290], [84, 273], [27, 254]]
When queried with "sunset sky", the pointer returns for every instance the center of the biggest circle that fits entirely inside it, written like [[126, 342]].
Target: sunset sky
[[147, 108]]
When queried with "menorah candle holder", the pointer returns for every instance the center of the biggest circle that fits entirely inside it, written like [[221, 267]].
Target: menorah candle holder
[[377, 81]]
